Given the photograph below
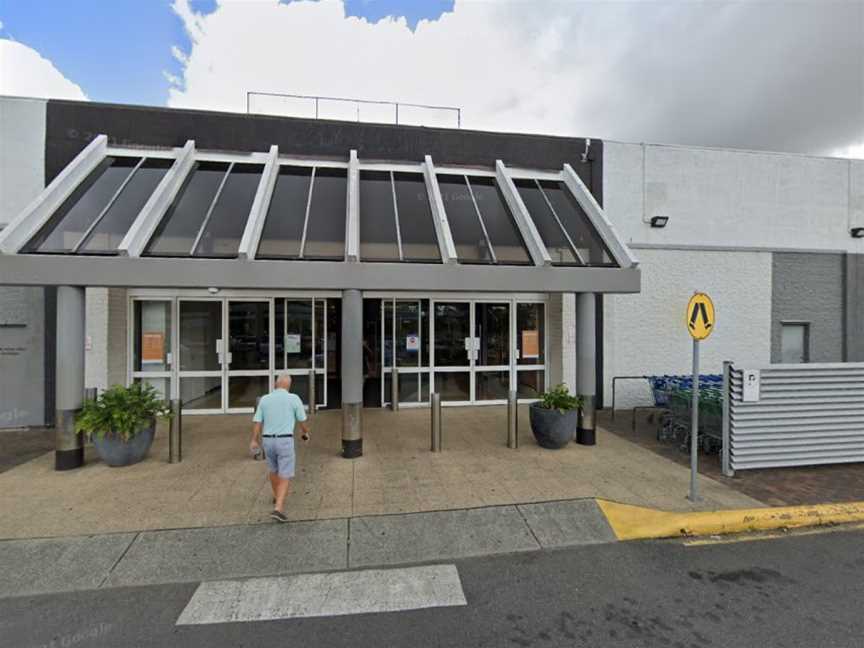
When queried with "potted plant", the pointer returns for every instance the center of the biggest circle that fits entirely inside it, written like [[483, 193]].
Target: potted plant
[[121, 422], [554, 417]]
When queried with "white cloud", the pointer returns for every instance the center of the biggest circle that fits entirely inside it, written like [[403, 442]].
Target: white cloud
[[26, 73], [753, 75]]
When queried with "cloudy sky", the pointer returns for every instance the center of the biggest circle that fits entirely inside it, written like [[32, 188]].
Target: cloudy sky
[[785, 76]]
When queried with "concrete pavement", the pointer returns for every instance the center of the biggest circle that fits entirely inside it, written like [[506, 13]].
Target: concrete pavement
[[29, 567]]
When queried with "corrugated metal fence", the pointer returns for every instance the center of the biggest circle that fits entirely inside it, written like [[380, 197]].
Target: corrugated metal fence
[[803, 414]]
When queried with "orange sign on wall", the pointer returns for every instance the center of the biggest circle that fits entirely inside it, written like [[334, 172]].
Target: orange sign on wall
[[530, 344], [152, 347]]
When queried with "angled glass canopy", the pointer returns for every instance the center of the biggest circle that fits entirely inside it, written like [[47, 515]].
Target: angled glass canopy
[[188, 204]]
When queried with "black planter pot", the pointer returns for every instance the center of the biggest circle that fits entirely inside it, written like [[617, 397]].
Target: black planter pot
[[551, 428], [114, 451]]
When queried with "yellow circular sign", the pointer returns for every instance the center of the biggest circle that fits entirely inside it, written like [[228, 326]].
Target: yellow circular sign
[[700, 316]]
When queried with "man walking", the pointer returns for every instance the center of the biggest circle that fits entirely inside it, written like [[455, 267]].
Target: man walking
[[274, 422]]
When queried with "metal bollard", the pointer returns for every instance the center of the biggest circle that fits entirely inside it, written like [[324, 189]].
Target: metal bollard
[[175, 432], [394, 389], [512, 420], [436, 421], [313, 395]]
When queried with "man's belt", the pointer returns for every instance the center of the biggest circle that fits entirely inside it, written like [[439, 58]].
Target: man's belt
[[277, 436]]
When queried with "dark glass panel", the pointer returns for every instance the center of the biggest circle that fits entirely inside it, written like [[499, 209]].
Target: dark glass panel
[[109, 232], [388, 333], [547, 226], [249, 335], [452, 329], [492, 385], [79, 211], [325, 232], [279, 327], [409, 387], [492, 324], [244, 390], [453, 386], [505, 237], [377, 217], [298, 333], [407, 342], [180, 226], [468, 237], [419, 242], [575, 221], [200, 335], [161, 385], [320, 306], [283, 227], [530, 334], [223, 232], [201, 393], [530, 384]]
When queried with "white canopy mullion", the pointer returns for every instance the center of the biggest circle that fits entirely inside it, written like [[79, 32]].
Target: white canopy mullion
[[260, 205], [352, 210], [535, 244], [439, 214]]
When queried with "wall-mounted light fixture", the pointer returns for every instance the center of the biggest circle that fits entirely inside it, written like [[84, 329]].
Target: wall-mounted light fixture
[[857, 232], [213, 291], [659, 221]]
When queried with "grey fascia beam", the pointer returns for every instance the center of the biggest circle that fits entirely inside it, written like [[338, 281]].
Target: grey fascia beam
[[263, 275], [439, 214], [154, 209], [260, 206], [28, 223], [536, 246], [595, 214], [352, 210]]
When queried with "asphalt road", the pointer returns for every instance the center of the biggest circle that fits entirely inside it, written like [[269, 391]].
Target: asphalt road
[[801, 590]]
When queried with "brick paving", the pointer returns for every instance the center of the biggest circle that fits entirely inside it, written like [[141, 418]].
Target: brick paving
[[774, 487]]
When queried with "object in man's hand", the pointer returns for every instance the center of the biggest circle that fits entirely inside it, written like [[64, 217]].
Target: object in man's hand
[[258, 454], [305, 436]]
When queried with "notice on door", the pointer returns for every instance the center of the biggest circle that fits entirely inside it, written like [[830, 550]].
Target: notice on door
[[530, 344], [412, 343], [292, 343], [153, 347]]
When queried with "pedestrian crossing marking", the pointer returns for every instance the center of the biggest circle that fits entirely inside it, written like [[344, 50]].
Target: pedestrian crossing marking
[[325, 594]]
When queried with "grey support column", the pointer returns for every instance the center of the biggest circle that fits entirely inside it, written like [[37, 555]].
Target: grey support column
[[352, 373], [69, 446], [586, 367]]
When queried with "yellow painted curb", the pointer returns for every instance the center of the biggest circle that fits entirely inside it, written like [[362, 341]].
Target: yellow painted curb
[[636, 522]]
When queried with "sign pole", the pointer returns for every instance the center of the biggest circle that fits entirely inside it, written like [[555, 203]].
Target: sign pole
[[694, 425]]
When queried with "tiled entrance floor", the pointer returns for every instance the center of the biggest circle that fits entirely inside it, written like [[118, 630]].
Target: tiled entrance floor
[[218, 484]]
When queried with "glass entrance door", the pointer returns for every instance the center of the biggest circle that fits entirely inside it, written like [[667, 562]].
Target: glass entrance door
[[201, 351], [453, 350], [247, 360], [301, 345], [405, 341], [491, 351]]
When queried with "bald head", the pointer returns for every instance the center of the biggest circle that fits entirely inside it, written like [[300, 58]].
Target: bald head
[[283, 382]]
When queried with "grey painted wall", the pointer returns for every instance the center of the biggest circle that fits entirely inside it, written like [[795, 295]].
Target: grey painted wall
[[810, 288], [22, 310], [855, 308]]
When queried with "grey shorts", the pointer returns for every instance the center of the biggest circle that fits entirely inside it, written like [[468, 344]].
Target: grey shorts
[[280, 456]]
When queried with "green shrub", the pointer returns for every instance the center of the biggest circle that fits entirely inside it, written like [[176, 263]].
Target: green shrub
[[120, 410], [559, 398]]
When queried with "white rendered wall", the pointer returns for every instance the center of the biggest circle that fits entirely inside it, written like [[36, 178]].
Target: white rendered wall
[[645, 333], [732, 199]]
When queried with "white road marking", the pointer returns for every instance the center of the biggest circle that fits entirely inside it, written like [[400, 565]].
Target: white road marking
[[329, 594]]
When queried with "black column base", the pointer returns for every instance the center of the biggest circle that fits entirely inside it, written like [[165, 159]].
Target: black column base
[[68, 459], [352, 449], [586, 437]]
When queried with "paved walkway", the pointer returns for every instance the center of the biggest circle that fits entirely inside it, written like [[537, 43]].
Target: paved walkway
[[772, 486], [37, 566], [218, 484]]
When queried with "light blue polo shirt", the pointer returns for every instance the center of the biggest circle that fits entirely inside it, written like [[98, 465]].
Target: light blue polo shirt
[[278, 411]]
